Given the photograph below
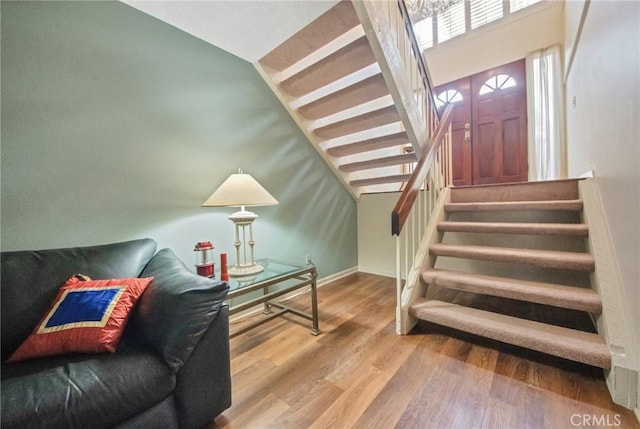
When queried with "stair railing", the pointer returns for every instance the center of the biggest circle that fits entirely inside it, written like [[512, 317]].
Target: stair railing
[[413, 59], [432, 174], [414, 210], [390, 33]]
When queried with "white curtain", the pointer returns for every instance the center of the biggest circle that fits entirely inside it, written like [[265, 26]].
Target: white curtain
[[545, 110]]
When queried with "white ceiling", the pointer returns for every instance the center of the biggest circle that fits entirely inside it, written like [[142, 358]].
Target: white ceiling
[[248, 29]]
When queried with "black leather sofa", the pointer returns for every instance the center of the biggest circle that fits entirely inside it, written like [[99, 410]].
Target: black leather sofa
[[170, 370]]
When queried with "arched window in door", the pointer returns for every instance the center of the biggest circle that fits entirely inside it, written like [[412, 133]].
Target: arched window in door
[[501, 81], [448, 96]]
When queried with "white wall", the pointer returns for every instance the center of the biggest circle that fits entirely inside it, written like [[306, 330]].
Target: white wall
[[499, 43], [603, 128], [376, 245]]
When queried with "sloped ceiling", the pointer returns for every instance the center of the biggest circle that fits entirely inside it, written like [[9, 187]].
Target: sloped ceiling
[[248, 29]]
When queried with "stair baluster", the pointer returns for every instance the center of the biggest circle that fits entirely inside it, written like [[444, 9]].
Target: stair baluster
[[412, 220], [388, 25]]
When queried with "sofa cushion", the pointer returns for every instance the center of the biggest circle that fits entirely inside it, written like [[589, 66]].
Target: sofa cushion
[[177, 308], [87, 316], [82, 391], [31, 279]]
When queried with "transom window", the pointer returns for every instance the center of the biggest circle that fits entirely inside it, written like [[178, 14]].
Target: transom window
[[448, 96], [451, 22], [484, 12], [463, 17], [521, 4], [501, 81]]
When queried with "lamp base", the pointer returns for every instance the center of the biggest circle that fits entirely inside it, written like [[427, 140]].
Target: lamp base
[[245, 270]]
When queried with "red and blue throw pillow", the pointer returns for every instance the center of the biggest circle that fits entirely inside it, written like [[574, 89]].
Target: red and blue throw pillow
[[87, 316]]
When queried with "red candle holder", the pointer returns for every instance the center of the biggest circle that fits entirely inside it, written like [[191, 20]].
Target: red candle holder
[[224, 271], [205, 265]]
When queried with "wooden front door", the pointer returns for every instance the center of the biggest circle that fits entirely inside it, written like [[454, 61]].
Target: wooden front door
[[489, 130]]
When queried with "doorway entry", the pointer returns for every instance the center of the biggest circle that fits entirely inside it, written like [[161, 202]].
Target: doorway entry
[[489, 126]]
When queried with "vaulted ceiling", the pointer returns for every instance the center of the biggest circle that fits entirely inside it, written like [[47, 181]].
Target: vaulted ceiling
[[248, 29]]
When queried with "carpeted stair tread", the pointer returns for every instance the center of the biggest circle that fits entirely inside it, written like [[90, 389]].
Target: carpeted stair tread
[[542, 258], [579, 230], [563, 189], [567, 343], [570, 297], [566, 205]]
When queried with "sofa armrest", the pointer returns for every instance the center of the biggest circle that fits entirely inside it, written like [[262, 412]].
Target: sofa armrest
[[203, 384], [177, 308]]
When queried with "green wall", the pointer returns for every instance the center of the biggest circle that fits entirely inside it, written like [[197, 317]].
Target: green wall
[[118, 126]]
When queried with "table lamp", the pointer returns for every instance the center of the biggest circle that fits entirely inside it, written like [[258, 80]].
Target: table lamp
[[242, 190]]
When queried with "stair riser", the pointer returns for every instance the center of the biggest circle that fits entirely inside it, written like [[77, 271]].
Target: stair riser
[[569, 205], [379, 163], [548, 348], [536, 295], [378, 118], [381, 180], [539, 242], [329, 26], [370, 145], [342, 63], [532, 216], [531, 191], [581, 264], [516, 271], [515, 228], [357, 94]]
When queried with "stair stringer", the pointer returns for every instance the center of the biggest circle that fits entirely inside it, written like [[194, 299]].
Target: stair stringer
[[415, 288], [344, 179], [384, 44], [614, 324]]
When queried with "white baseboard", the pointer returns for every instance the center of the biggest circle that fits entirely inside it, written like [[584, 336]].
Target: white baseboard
[[614, 324], [378, 272], [337, 276], [319, 283]]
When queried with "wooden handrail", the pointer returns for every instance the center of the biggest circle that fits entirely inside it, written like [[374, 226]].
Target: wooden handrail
[[403, 207], [424, 71]]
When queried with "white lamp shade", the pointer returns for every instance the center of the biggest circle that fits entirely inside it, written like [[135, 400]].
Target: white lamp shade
[[239, 190]]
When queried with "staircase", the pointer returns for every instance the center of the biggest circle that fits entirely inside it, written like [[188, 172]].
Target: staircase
[[511, 265], [333, 78], [506, 262]]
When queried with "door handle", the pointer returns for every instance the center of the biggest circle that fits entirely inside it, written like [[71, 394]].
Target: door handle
[[467, 132]]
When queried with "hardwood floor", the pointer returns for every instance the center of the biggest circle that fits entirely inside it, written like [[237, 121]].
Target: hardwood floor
[[359, 374]]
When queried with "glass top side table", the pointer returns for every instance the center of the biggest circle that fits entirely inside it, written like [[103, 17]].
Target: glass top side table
[[277, 279]]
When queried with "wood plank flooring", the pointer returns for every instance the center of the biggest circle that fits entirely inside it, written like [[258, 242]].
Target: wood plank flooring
[[359, 374]]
